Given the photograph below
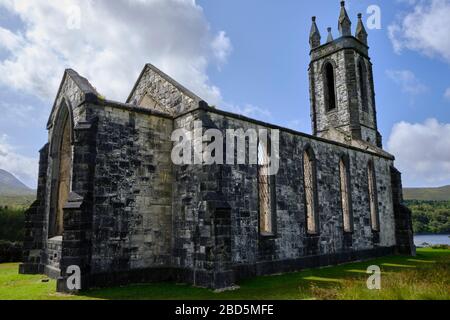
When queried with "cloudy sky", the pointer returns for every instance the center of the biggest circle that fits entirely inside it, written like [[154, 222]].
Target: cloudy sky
[[246, 56]]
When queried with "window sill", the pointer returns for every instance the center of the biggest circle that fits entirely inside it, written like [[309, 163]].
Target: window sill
[[56, 239], [267, 235]]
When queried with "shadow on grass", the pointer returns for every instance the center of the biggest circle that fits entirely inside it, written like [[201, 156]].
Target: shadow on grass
[[426, 276], [324, 283]]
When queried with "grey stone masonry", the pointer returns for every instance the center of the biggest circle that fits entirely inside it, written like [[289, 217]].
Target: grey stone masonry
[[157, 91], [34, 222], [403, 222], [133, 191], [355, 111], [111, 201]]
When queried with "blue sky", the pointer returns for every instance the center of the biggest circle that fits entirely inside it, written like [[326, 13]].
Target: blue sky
[[247, 56]]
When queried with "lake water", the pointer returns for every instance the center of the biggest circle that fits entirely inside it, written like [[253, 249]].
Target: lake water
[[432, 239]]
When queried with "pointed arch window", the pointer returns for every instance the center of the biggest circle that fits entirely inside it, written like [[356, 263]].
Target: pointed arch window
[[266, 190], [363, 89], [310, 187], [61, 153], [346, 200], [373, 197], [330, 87]]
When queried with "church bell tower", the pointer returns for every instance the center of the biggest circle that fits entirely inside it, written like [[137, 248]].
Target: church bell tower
[[341, 83]]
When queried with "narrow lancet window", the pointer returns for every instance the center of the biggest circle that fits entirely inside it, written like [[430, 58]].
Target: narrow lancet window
[[330, 87], [61, 152], [265, 190], [373, 200], [65, 170], [309, 168], [345, 195], [362, 74]]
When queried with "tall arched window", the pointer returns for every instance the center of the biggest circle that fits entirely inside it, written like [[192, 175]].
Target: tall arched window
[[310, 185], [362, 75], [330, 87], [265, 189], [346, 199], [373, 197], [61, 152]]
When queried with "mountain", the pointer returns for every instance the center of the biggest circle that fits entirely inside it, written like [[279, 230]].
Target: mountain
[[427, 194], [11, 186]]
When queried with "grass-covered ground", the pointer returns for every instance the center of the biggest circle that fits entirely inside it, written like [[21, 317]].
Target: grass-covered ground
[[17, 202], [426, 276]]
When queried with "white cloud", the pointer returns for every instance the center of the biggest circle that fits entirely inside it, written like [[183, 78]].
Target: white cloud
[[24, 168], [9, 41], [447, 94], [109, 42], [408, 81], [424, 28], [422, 151], [222, 47]]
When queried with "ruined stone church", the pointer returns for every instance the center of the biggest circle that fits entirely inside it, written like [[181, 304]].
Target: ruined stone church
[[111, 201]]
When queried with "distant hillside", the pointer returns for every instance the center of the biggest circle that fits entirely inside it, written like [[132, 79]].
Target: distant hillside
[[13, 193], [427, 194], [11, 186]]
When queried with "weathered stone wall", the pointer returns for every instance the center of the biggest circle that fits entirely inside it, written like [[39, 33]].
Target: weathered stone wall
[[130, 209], [202, 243], [34, 221], [132, 223], [237, 185], [344, 54], [157, 91], [54, 249], [367, 118], [70, 98], [339, 117], [403, 217]]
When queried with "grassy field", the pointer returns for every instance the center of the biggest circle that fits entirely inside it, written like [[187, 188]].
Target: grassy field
[[427, 194], [17, 202], [426, 276]]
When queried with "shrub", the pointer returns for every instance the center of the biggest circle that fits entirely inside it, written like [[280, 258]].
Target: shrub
[[12, 221], [10, 251], [430, 216]]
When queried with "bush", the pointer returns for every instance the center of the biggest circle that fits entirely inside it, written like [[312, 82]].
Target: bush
[[430, 216], [10, 252], [12, 224], [441, 247]]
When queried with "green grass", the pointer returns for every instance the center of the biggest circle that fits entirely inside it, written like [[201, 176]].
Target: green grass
[[426, 276], [17, 202]]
